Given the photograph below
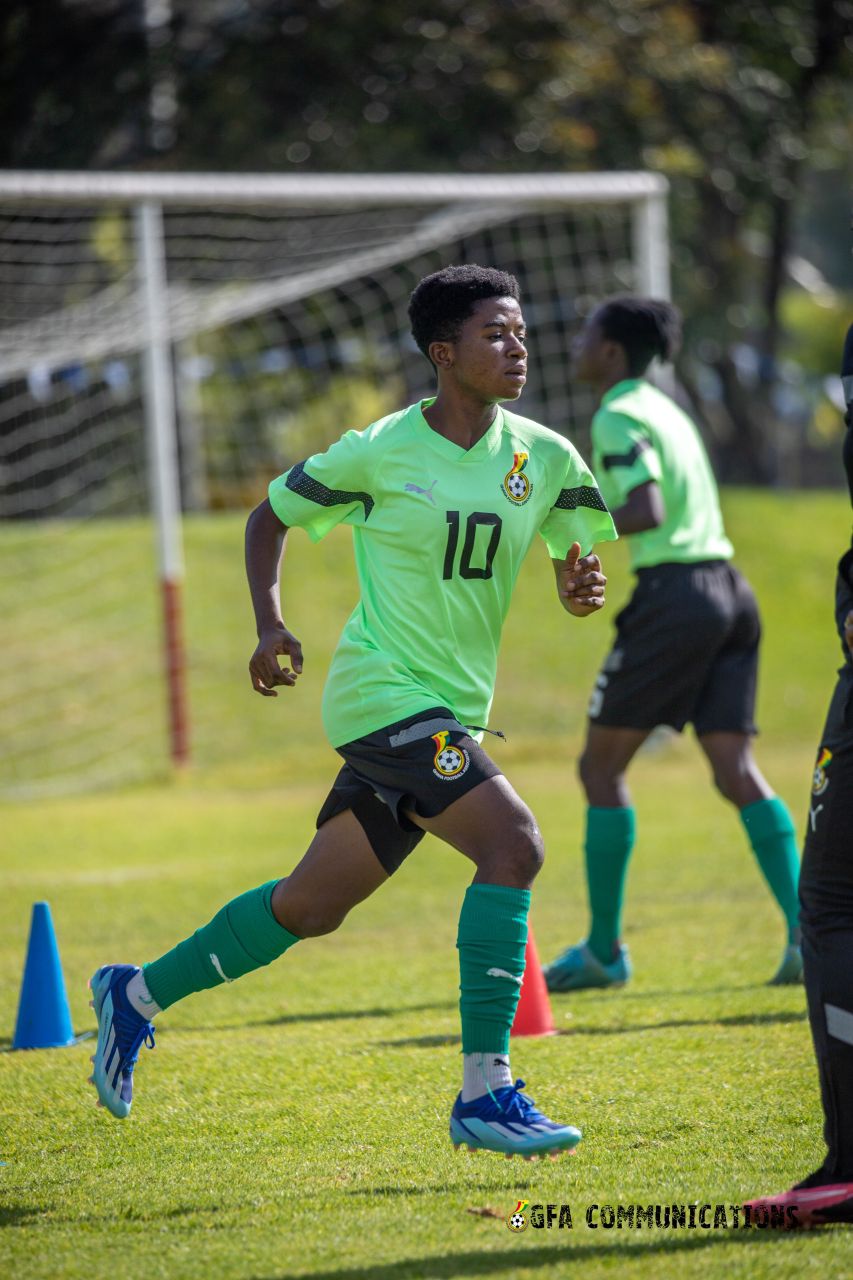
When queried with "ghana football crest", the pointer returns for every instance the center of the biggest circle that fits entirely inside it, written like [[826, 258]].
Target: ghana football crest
[[517, 1220], [449, 762], [819, 779], [516, 485]]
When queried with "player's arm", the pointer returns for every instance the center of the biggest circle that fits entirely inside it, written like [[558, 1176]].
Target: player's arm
[[642, 509], [580, 582], [265, 541], [624, 452]]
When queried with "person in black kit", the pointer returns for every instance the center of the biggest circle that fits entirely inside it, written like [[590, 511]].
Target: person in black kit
[[826, 901]]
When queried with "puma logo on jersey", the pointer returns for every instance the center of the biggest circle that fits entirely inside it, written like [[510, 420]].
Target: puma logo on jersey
[[416, 488]]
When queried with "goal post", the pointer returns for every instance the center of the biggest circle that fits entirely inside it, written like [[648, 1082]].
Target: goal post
[[169, 342]]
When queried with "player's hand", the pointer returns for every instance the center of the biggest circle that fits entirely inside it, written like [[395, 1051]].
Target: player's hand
[[848, 630], [264, 667], [580, 582]]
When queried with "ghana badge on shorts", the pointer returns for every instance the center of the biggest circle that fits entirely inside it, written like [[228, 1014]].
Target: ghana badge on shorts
[[516, 486], [819, 779], [449, 762]]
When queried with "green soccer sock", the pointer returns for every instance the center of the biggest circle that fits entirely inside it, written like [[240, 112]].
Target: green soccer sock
[[492, 939], [610, 835], [243, 936], [774, 842]]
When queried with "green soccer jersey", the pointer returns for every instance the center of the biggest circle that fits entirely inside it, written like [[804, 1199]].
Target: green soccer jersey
[[439, 535], [640, 434]]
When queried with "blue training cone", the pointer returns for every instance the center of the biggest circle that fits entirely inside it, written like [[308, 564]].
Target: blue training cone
[[44, 1019]]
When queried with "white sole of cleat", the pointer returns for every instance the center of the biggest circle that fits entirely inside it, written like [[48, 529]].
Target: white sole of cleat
[[510, 1155]]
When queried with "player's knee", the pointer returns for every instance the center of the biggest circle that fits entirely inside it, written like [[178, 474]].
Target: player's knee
[[585, 770], [733, 781], [527, 851], [598, 781], [723, 783], [312, 920]]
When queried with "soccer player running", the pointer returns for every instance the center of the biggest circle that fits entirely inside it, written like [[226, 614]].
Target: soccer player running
[[686, 646], [445, 498], [826, 895]]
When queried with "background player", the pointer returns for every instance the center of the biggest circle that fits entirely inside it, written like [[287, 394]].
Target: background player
[[826, 894], [445, 499], [686, 645]]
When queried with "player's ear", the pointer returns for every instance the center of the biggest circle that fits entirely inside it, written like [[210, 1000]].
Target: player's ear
[[441, 354], [613, 352]]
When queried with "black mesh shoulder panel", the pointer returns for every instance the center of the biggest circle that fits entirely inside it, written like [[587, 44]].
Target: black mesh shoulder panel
[[299, 481], [585, 496]]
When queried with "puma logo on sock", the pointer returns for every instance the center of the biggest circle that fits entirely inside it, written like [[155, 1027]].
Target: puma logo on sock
[[502, 973], [214, 960]]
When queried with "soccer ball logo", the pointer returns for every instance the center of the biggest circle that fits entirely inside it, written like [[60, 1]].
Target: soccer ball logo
[[517, 1220], [516, 486], [448, 761]]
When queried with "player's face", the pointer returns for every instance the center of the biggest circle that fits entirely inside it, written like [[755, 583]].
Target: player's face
[[589, 352], [489, 358]]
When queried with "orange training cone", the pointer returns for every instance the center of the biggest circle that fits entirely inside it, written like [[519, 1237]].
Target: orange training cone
[[533, 1016]]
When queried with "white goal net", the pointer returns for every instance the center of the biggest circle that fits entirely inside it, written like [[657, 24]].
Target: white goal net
[[168, 344]]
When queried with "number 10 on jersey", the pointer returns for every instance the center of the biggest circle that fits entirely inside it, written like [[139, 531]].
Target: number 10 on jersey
[[465, 568]]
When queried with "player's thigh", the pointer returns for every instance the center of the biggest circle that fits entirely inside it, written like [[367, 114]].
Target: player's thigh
[[339, 869], [493, 827]]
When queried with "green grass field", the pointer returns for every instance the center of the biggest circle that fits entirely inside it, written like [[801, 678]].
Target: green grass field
[[297, 1125]]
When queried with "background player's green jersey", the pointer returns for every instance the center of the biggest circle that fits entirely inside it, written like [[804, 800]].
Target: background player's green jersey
[[640, 434], [440, 533]]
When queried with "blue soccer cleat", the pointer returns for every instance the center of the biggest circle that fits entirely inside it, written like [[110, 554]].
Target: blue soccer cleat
[[578, 967], [121, 1033], [507, 1121]]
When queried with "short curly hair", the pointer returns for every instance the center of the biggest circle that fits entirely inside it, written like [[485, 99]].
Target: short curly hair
[[442, 302], [645, 327]]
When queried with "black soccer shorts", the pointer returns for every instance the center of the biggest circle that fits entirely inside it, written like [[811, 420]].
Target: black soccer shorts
[[686, 649], [420, 764]]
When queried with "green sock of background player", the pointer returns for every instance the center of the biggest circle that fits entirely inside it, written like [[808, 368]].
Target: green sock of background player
[[774, 842], [610, 840], [610, 835]]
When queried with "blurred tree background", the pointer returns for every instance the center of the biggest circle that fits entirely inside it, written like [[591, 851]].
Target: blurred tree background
[[747, 109]]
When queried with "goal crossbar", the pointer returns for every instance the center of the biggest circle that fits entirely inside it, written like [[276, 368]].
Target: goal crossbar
[[325, 189], [167, 341]]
